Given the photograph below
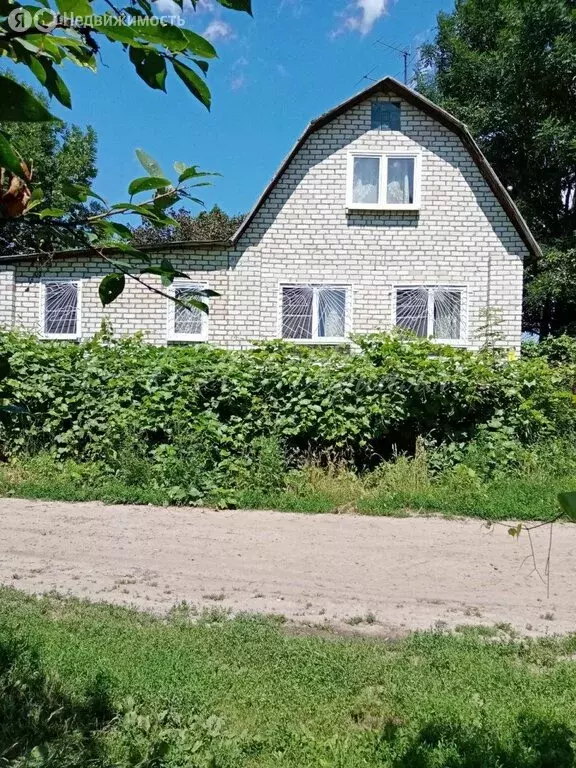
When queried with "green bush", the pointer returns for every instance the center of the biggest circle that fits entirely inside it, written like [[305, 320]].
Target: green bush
[[195, 422], [557, 350]]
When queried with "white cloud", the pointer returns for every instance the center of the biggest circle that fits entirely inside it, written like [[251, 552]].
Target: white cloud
[[238, 82], [218, 30], [296, 7], [361, 16], [166, 8], [239, 79]]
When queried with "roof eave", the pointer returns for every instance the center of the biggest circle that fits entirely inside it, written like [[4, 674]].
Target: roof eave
[[208, 245]]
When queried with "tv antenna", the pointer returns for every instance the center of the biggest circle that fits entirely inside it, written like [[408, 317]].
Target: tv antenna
[[406, 53]]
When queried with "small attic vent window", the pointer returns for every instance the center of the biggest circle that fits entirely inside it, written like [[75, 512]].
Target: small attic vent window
[[385, 116]]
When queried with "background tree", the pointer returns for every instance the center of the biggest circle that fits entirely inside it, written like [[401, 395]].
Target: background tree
[[59, 154], [507, 68], [205, 226]]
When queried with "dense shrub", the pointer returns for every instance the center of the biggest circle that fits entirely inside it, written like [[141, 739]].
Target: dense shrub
[[556, 349], [91, 400], [198, 420]]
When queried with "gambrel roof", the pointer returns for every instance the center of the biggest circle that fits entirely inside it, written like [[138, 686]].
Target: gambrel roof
[[387, 85], [390, 85]]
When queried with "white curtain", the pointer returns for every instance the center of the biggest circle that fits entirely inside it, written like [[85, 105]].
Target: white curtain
[[366, 180], [331, 313], [400, 181], [447, 312]]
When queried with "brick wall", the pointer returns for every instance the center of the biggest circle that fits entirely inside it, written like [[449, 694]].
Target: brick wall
[[304, 234]]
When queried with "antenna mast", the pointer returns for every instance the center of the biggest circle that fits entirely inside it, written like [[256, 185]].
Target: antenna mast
[[404, 52]]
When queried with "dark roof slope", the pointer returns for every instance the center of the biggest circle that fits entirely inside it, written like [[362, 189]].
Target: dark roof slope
[[390, 85]]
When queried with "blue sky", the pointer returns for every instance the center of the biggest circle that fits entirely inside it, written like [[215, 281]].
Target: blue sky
[[294, 60]]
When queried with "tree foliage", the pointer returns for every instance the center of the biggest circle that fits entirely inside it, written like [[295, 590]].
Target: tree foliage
[[507, 68], [206, 226], [43, 39], [59, 154]]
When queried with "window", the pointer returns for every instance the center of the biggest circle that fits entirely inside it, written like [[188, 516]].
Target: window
[[431, 312], [187, 323], [59, 309], [385, 116], [314, 312], [386, 182]]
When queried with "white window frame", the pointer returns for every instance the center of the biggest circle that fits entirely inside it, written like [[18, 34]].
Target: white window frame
[[172, 335], [315, 338], [462, 289], [382, 205], [51, 280]]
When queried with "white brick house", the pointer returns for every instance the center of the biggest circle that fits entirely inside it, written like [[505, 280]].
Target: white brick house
[[385, 213]]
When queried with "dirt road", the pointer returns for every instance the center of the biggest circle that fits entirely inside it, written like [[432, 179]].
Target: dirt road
[[376, 575]]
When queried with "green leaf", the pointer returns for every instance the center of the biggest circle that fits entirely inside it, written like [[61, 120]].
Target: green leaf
[[149, 164], [131, 250], [199, 46], [145, 183], [516, 531], [79, 192], [204, 66], [191, 303], [113, 228], [167, 275], [44, 70], [193, 173], [168, 35], [150, 66], [237, 5], [51, 212], [74, 7], [568, 504], [36, 199], [111, 287], [19, 105], [9, 159], [193, 82], [122, 33]]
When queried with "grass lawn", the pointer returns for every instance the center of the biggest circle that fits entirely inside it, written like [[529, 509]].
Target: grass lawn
[[86, 685], [396, 489]]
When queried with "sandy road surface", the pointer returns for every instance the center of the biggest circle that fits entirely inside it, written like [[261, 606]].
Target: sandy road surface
[[409, 573]]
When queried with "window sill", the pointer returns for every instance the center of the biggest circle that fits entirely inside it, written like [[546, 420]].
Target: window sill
[[449, 342], [60, 336], [384, 208], [176, 339], [309, 342]]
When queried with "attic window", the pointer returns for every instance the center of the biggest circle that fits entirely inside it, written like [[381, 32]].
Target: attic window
[[384, 182], [385, 116]]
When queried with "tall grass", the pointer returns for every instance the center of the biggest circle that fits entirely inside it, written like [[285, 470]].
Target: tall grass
[[525, 488]]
